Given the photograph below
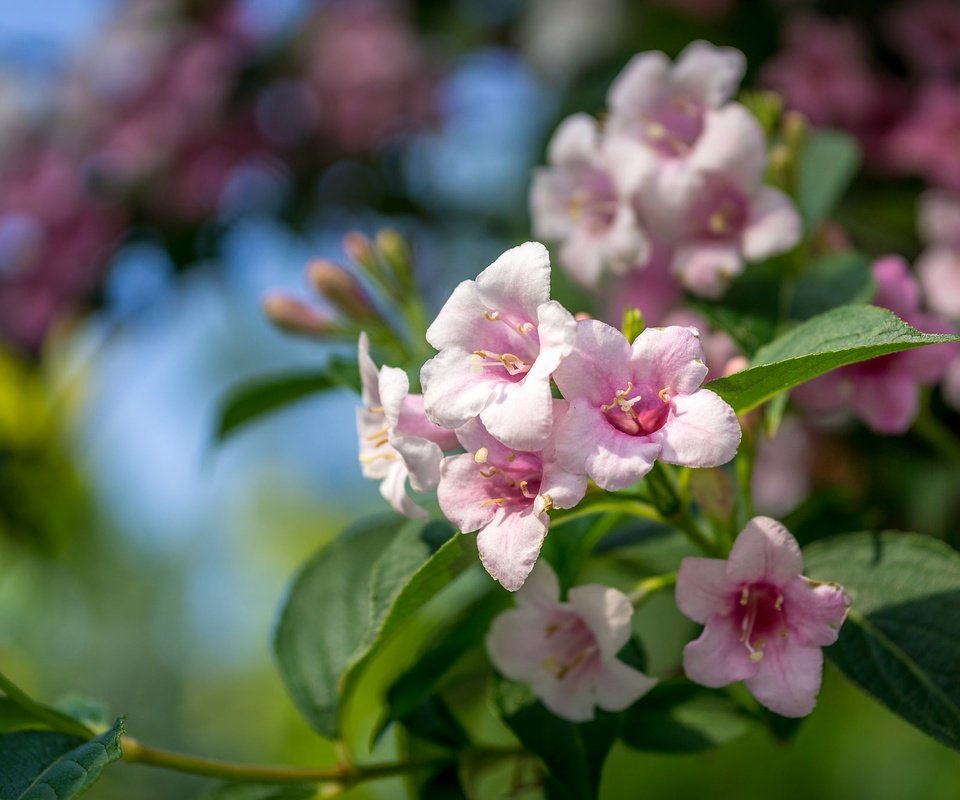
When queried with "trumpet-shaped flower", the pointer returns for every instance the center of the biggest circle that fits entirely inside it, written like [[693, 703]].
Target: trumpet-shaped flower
[[567, 651], [580, 201], [764, 622], [663, 106], [500, 339], [630, 405], [397, 441], [505, 494]]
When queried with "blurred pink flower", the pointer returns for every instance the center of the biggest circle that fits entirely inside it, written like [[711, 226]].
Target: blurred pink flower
[[505, 494], [884, 392], [649, 286], [926, 33], [781, 477], [764, 622], [567, 651], [939, 220], [925, 142], [951, 384]]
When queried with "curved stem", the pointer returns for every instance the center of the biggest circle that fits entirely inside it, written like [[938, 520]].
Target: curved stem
[[647, 587], [634, 508], [342, 774]]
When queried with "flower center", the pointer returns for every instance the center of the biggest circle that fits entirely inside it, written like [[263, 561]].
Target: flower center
[[593, 202], [672, 128], [514, 350], [759, 612], [515, 481], [572, 646], [722, 214], [639, 415]]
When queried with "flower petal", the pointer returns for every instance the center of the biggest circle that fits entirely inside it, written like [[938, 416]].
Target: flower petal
[[619, 686], [718, 657], [707, 269], [703, 589], [520, 414], [575, 142], [640, 85], [461, 493], [455, 390], [422, 459], [788, 679], [393, 489], [600, 355], [510, 544], [702, 431], [815, 611], [774, 225], [732, 143], [541, 589], [607, 613], [765, 551], [570, 698], [672, 358], [888, 402], [517, 282], [458, 319], [369, 377], [516, 643], [708, 73]]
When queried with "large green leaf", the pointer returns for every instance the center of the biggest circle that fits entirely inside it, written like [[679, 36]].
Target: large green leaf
[[827, 164], [347, 600], [680, 717], [901, 640], [573, 753], [42, 765], [254, 399], [845, 335]]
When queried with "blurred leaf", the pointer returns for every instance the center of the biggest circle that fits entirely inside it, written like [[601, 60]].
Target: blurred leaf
[[841, 336], [254, 399], [13, 717], [681, 717], [750, 331], [901, 640], [258, 791], [18, 705], [347, 600], [573, 753], [443, 785], [836, 279], [41, 765], [827, 165], [433, 722]]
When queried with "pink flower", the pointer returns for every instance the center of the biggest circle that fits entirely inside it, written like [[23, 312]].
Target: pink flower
[[662, 106], [579, 201], [500, 338], [649, 287], [715, 207], [951, 384], [630, 405], [884, 392], [927, 33], [764, 622], [925, 143], [939, 218], [505, 494], [397, 441], [938, 267], [567, 651], [781, 472]]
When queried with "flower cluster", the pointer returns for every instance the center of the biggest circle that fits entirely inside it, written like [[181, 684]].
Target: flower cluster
[[503, 343], [676, 172]]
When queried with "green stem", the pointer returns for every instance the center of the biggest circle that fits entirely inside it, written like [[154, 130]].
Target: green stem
[[343, 774], [634, 508], [650, 586]]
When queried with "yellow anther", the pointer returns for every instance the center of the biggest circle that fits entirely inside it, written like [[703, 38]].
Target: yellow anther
[[547, 502], [481, 455], [745, 596], [375, 409], [756, 655], [664, 394], [493, 316], [489, 473], [497, 501], [718, 222], [525, 327]]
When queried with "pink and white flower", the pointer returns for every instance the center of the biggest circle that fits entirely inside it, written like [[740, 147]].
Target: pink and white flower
[[397, 441], [500, 339], [764, 622], [567, 651], [716, 208], [630, 405], [581, 201], [662, 107], [938, 267], [505, 494]]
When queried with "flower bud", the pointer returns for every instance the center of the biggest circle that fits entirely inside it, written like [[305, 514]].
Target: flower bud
[[340, 288], [633, 323], [396, 252], [359, 250], [293, 315]]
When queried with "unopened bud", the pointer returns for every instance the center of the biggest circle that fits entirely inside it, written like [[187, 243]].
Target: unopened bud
[[633, 323], [340, 288], [359, 250], [396, 252], [794, 128], [780, 165], [293, 315], [766, 106]]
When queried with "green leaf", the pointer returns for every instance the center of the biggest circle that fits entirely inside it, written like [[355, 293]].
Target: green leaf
[[42, 765], [17, 705], [842, 336], [573, 753], [901, 639], [347, 600], [254, 399], [828, 163], [836, 279], [681, 717], [260, 791]]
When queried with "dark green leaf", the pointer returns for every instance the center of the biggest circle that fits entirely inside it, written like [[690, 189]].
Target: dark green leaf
[[355, 593], [42, 765], [681, 717], [433, 722], [827, 164], [842, 336], [836, 279], [256, 398], [901, 640], [573, 753], [36, 714]]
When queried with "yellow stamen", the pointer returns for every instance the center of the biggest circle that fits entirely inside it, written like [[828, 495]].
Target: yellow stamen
[[481, 455]]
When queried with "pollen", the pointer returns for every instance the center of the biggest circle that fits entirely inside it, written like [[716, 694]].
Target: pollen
[[481, 455]]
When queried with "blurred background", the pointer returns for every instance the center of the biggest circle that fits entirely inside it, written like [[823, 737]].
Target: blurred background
[[164, 164]]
